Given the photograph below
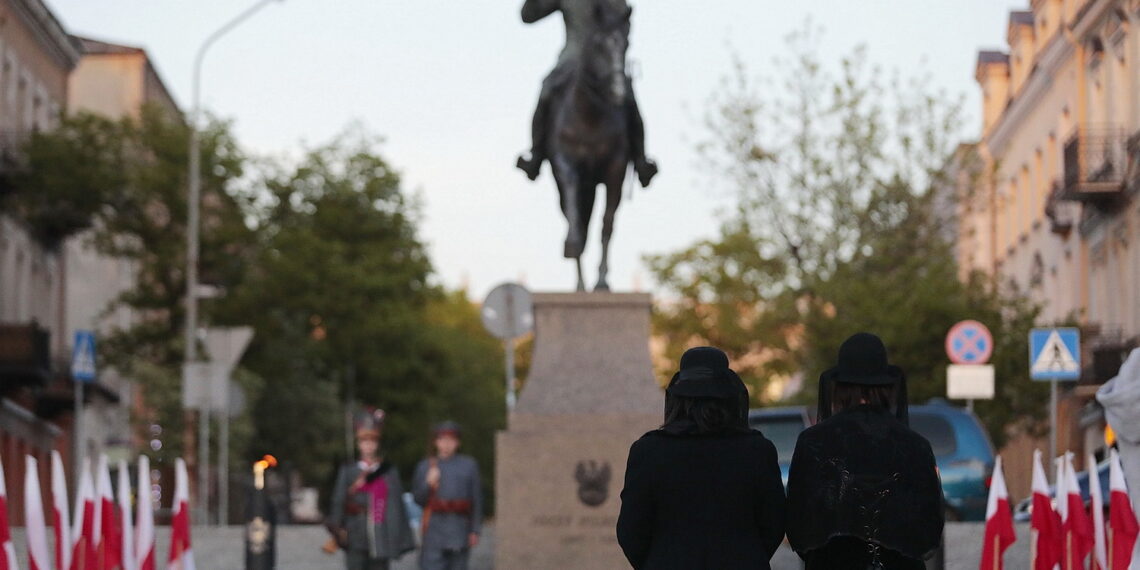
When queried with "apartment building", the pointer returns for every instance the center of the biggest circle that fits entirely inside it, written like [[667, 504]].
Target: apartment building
[[1051, 211], [1054, 215], [36, 58]]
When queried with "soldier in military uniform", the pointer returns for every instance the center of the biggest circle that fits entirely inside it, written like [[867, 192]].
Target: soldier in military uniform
[[446, 484], [367, 503], [581, 22]]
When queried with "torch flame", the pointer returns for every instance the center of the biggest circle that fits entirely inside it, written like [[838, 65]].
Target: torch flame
[[265, 463]]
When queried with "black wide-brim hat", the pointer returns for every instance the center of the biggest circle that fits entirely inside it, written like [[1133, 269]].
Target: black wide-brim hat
[[704, 373], [863, 361]]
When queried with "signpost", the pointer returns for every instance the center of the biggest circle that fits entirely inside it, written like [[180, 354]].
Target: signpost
[[83, 371], [508, 313], [969, 346], [1054, 354], [207, 388]]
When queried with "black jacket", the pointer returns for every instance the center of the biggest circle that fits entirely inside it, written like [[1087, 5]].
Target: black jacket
[[693, 502], [862, 482]]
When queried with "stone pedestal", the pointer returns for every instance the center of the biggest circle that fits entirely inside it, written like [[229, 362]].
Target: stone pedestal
[[561, 462]]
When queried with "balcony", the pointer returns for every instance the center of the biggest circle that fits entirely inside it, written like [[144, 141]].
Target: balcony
[[11, 155], [1059, 212], [1096, 161], [24, 354]]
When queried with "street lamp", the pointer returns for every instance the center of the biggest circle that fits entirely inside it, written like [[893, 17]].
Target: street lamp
[[194, 200]]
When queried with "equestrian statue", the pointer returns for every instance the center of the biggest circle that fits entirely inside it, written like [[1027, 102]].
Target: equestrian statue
[[587, 124]]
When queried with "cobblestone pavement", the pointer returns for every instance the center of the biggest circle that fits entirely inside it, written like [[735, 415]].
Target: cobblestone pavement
[[299, 549]]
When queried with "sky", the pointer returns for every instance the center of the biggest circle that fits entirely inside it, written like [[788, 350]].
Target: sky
[[451, 87]]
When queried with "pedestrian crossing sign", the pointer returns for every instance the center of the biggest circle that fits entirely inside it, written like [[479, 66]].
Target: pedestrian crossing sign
[[83, 357], [1055, 354]]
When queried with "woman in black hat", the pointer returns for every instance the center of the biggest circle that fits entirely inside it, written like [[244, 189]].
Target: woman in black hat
[[863, 489], [703, 491]]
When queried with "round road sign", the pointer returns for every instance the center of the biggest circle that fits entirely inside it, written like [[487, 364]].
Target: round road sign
[[507, 311], [969, 342]]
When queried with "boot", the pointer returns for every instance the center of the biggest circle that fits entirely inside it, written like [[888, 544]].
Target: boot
[[530, 164], [646, 169]]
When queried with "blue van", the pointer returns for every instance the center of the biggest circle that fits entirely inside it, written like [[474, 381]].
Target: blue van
[[962, 449]]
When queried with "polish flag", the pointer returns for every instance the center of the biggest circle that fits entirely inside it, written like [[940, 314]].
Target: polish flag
[[127, 552], [34, 517], [1096, 509], [83, 537], [1045, 524], [110, 537], [181, 554], [144, 532], [999, 522], [1122, 527], [60, 513], [1075, 524], [8, 556]]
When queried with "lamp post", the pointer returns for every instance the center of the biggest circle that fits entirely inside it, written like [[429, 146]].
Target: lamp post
[[194, 200]]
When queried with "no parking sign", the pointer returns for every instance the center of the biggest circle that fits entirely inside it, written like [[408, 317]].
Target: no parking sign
[[969, 342], [969, 345]]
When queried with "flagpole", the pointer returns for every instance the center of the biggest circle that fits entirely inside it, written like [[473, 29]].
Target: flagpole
[[997, 552], [1033, 549]]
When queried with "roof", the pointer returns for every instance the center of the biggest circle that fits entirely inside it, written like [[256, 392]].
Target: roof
[[1021, 17], [986, 57], [97, 47]]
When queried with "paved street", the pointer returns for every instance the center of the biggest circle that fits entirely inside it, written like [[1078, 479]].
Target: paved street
[[299, 549]]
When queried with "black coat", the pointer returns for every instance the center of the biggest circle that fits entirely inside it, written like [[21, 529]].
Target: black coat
[[693, 502], [863, 481]]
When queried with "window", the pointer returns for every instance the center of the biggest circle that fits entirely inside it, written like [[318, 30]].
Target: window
[[782, 431], [937, 430]]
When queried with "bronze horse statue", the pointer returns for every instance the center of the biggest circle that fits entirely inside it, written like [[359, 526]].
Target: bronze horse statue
[[589, 142]]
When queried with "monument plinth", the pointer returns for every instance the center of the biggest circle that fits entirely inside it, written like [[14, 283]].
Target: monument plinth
[[560, 464]]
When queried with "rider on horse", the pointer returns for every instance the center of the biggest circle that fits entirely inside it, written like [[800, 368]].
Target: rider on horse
[[581, 22]]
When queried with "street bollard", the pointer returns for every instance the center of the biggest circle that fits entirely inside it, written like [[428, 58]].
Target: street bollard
[[260, 522]]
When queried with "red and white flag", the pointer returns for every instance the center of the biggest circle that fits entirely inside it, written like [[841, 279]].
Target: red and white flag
[[1045, 523], [144, 533], [60, 513], [8, 556], [124, 507], [83, 538], [1122, 526], [181, 553], [1096, 513], [1075, 524], [110, 542], [34, 517], [999, 522]]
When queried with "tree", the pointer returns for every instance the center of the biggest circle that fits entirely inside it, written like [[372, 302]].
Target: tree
[[125, 181], [345, 314], [833, 231]]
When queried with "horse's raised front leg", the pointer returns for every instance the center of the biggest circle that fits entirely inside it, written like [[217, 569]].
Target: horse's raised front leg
[[568, 189], [613, 199], [568, 192]]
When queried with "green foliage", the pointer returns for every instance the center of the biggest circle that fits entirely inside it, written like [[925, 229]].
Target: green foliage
[[320, 257], [834, 231], [338, 293], [68, 176]]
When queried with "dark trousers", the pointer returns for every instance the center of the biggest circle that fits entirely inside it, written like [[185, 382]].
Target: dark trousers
[[359, 560], [443, 559]]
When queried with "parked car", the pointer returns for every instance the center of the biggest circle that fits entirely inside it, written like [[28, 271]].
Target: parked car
[[1024, 509], [782, 426], [962, 449]]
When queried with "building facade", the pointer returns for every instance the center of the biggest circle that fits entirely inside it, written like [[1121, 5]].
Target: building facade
[[36, 58], [1053, 213], [114, 81]]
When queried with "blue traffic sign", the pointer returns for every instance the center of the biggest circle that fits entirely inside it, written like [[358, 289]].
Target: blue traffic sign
[[969, 342], [1055, 354], [83, 357]]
